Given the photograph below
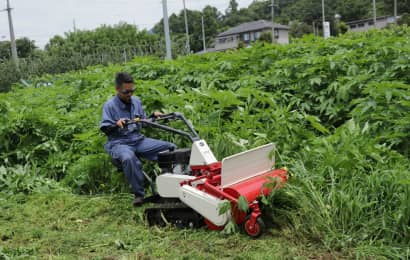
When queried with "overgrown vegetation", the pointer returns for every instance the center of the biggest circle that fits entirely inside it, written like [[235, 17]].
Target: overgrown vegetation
[[338, 110], [78, 50], [122, 42]]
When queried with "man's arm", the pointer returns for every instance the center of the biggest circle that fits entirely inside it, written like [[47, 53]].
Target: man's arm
[[108, 123], [109, 129]]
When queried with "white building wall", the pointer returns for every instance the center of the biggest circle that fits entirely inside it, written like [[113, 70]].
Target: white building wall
[[283, 37], [230, 42], [367, 25]]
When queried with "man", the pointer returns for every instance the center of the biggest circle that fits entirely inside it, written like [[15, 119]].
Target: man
[[125, 143]]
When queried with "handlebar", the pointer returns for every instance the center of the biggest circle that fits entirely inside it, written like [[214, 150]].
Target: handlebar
[[175, 116]]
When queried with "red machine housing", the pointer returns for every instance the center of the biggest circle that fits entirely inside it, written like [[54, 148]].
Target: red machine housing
[[251, 189]]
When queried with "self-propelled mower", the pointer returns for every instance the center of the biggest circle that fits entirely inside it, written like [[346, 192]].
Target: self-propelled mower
[[193, 184]]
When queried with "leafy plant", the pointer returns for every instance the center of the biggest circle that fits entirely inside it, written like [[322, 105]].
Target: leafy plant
[[337, 109]]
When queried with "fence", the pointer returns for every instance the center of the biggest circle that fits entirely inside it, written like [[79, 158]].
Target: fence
[[53, 64]]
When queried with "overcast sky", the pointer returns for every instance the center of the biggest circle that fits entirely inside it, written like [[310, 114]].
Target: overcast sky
[[40, 20]]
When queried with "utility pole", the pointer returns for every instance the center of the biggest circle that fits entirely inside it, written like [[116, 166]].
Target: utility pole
[[12, 37], [374, 13], [187, 47], [166, 30], [74, 27], [323, 11], [203, 33], [323, 16], [395, 10], [314, 28], [325, 25], [273, 22]]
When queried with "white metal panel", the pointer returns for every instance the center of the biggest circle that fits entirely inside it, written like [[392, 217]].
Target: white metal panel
[[201, 154], [247, 164], [204, 204], [168, 185], [326, 30]]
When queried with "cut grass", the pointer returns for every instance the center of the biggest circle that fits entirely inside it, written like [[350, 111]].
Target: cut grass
[[66, 226]]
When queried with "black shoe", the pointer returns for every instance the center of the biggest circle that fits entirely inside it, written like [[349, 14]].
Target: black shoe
[[138, 201]]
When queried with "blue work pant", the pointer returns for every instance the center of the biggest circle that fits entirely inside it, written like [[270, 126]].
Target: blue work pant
[[128, 155]]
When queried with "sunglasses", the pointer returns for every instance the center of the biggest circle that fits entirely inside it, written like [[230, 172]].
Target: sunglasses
[[127, 91]]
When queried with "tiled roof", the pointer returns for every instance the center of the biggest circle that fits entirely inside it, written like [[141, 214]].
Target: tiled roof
[[252, 26]]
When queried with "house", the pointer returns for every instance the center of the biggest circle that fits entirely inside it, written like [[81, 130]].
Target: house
[[248, 33], [366, 24]]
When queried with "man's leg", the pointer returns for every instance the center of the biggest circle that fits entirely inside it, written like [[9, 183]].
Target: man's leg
[[149, 148], [131, 167]]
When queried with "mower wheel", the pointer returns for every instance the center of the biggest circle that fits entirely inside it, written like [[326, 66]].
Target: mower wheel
[[257, 229]]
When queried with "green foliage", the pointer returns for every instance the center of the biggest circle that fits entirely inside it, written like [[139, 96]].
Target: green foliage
[[243, 204], [404, 19], [339, 184], [78, 50], [224, 207], [266, 37], [301, 14], [25, 48], [104, 39], [25, 179], [390, 101], [338, 110], [177, 28], [93, 174], [298, 29]]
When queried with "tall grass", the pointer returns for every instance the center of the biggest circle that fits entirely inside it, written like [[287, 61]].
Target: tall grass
[[348, 189]]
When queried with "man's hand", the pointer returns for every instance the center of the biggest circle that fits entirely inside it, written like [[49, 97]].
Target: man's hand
[[120, 123], [157, 114]]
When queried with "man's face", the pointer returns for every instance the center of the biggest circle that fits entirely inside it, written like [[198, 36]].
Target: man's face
[[125, 92]]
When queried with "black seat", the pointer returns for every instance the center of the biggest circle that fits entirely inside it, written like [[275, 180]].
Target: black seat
[[168, 159]]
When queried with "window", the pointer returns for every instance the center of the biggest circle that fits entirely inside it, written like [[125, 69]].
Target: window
[[352, 26], [360, 25], [252, 36], [371, 22], [276, 33], [257, 35], [246, 36]]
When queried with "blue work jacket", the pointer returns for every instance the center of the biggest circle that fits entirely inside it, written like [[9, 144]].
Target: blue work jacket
[[113, 110]]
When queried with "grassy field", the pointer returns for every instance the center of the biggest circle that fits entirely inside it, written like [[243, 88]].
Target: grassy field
[[64, 226]]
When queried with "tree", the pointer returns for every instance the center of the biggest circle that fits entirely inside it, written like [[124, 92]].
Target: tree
[[25, 48], [105, 39], [5, 51], [212, 23], [404, 19], [403, 6], [298, 29], [233, 7]]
